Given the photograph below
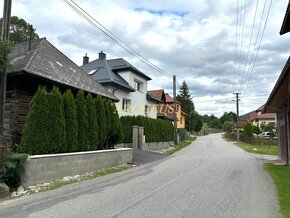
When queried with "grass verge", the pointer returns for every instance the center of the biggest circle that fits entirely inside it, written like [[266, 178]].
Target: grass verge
[[259, 148], [281, 177], [182, 145]]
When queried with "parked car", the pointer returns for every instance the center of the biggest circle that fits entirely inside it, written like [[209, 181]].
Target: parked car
[[265, 135]]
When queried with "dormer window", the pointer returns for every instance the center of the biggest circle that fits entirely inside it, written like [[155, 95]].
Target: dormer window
[[138, 86]]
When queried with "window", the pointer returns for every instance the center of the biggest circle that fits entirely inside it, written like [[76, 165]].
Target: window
[[180, 120], [126, 105], [147, 110], [177, 107], [138, 85]]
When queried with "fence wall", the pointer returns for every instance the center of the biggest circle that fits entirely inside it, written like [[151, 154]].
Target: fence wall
[[45, 168]]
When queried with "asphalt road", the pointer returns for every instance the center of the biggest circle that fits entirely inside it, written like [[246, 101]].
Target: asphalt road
[[210, 178]]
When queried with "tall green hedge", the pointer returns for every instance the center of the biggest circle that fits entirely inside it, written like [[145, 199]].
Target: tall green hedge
[[34, 135], [56, 122], [101, 119], [92, 123], [70, 114], [155, 130]]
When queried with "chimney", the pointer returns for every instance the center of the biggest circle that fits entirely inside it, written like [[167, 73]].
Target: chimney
[[102, 55], [85, 59]]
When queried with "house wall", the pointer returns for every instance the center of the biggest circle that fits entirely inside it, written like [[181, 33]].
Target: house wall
[[179, 116], [16, 108], [138, 98], [283, 133], [266, 121]]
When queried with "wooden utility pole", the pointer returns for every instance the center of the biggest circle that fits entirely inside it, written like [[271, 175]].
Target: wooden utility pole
[[174, 103], [3, 76], [237, 105]]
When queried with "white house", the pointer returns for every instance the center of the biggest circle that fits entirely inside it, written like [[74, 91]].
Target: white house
[[125, 82]]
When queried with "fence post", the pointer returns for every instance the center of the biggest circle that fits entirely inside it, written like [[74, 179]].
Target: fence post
[[135, 137], [140, 137]]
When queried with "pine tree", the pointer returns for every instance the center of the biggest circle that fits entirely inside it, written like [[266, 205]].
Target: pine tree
[[92, 122], [56, 122], [34, 138], [70, 114], [101, 121], [82, 117], [184, 97]]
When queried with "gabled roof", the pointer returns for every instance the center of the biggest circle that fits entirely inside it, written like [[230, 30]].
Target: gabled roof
[[169, 99], [120, 64], [279, 95], [267, 116], [100, 71], [152, 98], [285, 28], [159, 94], [45, 61]]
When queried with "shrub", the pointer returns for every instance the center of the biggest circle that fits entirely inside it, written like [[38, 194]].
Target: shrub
[[155, 130], [248, 129], [56, 123], [108, 120], [101, 121], [82, 117], [34, 135], [70, 115], [116, 133], [228, 126], [182, 134], [92, 123], [10, 170]]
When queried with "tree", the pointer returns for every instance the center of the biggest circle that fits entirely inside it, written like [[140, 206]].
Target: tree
[[34, 138], [231, 117], [195, 121], [184, 97], [92, 122], [108, 128], [56, 122], [101, 118], [82, 117], [116, 133], [70, 114], [248, 129], [228, 126], [19, 30], [214, 122]]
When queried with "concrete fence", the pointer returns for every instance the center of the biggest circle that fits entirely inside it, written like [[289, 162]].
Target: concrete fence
[[46, 168]]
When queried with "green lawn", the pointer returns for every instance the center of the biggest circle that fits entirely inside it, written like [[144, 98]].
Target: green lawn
[[281, 177], [182, 145], [259, 148]]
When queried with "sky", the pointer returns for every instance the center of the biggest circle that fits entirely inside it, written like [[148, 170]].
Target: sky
[[205, 43]]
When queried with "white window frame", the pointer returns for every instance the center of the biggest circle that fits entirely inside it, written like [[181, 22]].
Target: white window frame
[[138, 85]]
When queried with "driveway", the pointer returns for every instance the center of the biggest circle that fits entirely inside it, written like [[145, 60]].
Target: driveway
[[209, 178]]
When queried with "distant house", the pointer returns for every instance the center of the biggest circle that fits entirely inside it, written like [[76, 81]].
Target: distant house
[[125, 82], [34, 65], [257, 118], [278, 101], [163, 112], [180, 115]]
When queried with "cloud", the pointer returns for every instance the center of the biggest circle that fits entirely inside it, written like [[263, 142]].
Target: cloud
[[195, 40]]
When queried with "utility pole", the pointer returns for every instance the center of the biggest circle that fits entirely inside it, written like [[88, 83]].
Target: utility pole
[[174, 103], [237, 105], [3, 76]]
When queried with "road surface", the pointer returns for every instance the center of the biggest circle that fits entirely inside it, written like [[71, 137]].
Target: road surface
[[209, 178]]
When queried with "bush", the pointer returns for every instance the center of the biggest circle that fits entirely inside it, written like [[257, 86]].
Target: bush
[[55, 123], [248, 129], [10, 170], [70, 115], [82, 117], [182, 134], [93, 138], [34, 135], [101, 120], [116, 133], [155, 130], [228, 126]]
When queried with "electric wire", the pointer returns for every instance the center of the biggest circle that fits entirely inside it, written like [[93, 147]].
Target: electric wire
[[85, 15], [249, 78]]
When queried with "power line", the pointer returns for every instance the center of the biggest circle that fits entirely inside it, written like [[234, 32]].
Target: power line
[[85, 15], [253, 25], [249, 78]]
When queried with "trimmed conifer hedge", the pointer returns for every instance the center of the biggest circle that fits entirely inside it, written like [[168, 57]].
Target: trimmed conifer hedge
[[155, 130], [59, 123]]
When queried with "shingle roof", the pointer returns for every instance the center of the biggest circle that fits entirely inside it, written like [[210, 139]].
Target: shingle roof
[[159, 94], [46, 61], [100, 71], [121, 64]]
